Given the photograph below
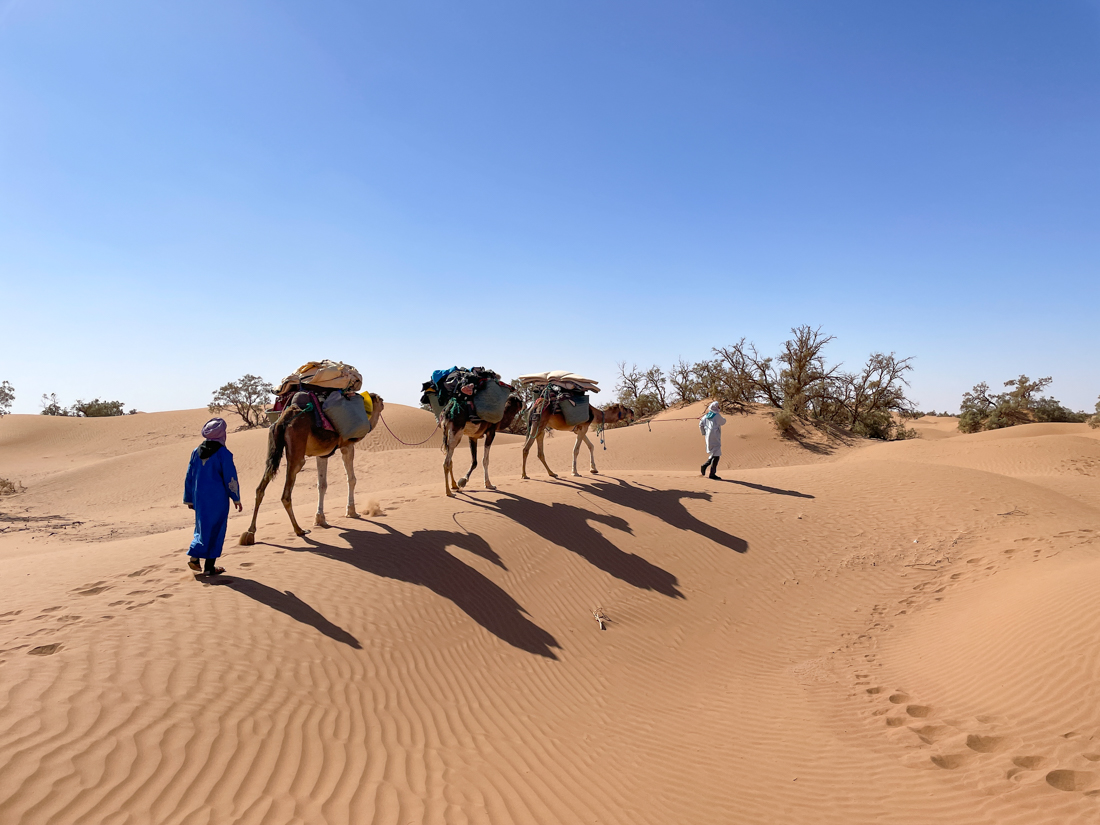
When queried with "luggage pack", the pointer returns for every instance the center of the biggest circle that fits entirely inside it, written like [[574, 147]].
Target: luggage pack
[[348, 414]]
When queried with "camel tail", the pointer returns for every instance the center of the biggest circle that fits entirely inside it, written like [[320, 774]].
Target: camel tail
[[276, 444]]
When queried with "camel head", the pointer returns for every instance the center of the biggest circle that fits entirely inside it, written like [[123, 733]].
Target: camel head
[[511, 410], [376, 412], [621, 413]]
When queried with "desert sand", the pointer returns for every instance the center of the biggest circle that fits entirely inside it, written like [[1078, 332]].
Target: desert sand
[[841, 631]]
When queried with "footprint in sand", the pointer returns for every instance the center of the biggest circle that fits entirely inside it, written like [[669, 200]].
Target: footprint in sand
[[45, 650], [91, 589], [69, 619], [120, 602], [1067, 780], [930, 734], [898, 698], [918, 711], [949, 761], [52, 609], [246, 564], [985, 744]]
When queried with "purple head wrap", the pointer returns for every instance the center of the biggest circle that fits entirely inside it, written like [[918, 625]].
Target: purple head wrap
[[214, 430]]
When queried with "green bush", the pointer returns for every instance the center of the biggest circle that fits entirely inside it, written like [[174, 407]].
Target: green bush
[[7, 395], [1095, 420], [1018, 405]]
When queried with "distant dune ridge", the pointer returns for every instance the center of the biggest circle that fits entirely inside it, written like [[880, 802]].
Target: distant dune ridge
[[842, 631]]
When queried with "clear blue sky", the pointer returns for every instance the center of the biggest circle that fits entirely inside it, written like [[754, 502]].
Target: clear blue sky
[[192, 191]]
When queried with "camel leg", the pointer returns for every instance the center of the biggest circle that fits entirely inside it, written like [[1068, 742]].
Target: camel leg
[[450, 439], [322, 486], [526, 449], [348, 454], [534, 429], [577, 449], [248, 538], [473, 466], [488, 443], [542, 455], [591, 452], [292, 470]]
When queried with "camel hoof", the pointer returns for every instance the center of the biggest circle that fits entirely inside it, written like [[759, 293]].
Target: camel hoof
[[450, 494], [248, 538], [352, 514], [461, 483], [489, 487], [319, 521], [576, 475], [553, 475], [525, 478], [594, 471]]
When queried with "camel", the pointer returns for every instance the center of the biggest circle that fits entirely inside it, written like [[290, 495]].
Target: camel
[[542, 419], [473, 430], [296, 434]]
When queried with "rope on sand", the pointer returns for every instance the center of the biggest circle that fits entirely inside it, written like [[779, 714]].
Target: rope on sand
[[406, 443]]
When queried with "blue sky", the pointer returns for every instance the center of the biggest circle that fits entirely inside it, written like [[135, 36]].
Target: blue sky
[[193, 191]]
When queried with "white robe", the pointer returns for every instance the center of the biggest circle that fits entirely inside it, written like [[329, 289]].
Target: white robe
[[711, 428]]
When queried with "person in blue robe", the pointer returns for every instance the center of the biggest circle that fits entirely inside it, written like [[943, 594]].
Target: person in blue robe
[[210, 485]]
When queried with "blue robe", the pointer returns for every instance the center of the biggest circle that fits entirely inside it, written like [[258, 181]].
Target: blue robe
[[211, 483]]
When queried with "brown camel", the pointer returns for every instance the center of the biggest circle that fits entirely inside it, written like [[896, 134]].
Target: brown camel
[[542, 419], [296, 434], [473, 430]]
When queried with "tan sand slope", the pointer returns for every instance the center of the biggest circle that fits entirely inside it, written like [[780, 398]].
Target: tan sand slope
[[839, 632]]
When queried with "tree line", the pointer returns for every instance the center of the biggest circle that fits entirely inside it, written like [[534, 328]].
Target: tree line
[[800, 385]]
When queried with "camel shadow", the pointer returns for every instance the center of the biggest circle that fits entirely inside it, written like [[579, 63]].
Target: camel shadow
[[569, 527], [765, 489], [288, 604], [421, 558], [667, 505]]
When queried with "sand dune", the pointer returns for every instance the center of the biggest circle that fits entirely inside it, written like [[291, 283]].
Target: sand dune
[[840, 632]]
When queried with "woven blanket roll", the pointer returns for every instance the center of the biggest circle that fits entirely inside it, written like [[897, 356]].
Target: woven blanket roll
[[490, 402]]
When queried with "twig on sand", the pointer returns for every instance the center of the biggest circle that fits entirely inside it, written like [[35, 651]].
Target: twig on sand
[[600, 617], [1015, 511]]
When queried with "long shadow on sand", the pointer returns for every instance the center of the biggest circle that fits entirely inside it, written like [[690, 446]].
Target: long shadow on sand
[[568, 526], [288, 604], [667, 505], [765, 489], [422, 559]]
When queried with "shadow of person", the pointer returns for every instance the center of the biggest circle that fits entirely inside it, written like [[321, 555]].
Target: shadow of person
[[568, 526], [421, 558], [765, 489], [288, 604], [667, 505]]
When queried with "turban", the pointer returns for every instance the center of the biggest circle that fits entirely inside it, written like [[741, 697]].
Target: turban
[[214, 430]]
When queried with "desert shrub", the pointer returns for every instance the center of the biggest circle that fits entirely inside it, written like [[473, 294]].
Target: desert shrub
[[784, 422], [10, 488], [1095, 420], [247, 396], [7, 396], [96, 408], [981, 410], [51, 406], [1048, 410]]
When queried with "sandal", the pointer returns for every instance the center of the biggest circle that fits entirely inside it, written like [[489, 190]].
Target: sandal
[[194, 565], [217, 571]]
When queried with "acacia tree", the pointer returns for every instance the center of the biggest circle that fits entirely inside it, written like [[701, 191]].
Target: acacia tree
[[247, 396], [981, 410], [800, 384], [1095, 420], [7, 396]]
